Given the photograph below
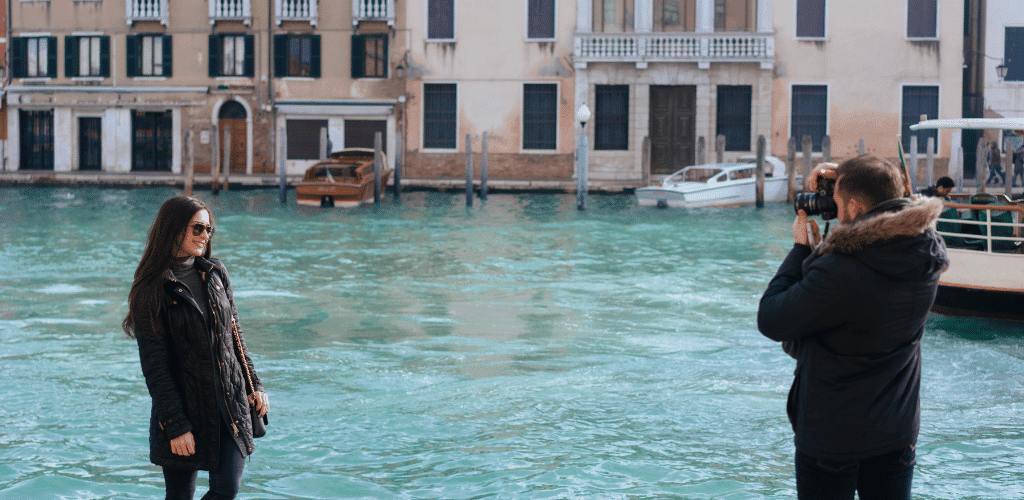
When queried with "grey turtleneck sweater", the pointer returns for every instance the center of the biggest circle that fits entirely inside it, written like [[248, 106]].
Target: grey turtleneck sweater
[[185, 271]]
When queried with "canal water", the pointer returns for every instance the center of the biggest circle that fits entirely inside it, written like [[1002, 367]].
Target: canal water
[[518, 349]]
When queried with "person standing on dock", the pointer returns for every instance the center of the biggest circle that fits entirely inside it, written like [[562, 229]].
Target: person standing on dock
[[181, 310], [941, 189], [852, 311]]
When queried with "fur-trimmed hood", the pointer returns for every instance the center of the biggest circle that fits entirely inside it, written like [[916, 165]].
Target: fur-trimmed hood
[[896, 238]]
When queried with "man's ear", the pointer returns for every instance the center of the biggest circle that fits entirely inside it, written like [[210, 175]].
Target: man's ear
[[857, 207]]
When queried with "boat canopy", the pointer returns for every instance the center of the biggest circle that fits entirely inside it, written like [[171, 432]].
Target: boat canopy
[[972, 124]]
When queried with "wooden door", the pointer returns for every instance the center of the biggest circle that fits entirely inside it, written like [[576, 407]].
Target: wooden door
[[232, 117], [90, 143], [672, 127]]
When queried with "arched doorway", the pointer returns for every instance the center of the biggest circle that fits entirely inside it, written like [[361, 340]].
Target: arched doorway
[[232, 117]]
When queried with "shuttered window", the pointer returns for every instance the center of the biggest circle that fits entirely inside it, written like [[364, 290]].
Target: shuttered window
[[922, 18], [304, 138], [231, 55], [34, 57], [1014, 54], [540, 115], [810, 18], [369, 56], [441, 19], [439, 115], [36, 129], [919, 100], [733, 116], [148, 55], [541, 19], [809, 114], [611, 117], [297, 55]]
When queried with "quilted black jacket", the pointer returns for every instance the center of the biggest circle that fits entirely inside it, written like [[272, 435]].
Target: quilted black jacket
[[178, 356]]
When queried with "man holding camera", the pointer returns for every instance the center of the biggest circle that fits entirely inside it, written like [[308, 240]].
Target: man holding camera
[[852, 312]]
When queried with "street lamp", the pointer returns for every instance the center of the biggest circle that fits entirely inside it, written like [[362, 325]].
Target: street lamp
[[582, 184], [1001, 70]]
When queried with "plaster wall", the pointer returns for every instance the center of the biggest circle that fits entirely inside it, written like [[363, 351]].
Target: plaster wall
[[1006, 98]]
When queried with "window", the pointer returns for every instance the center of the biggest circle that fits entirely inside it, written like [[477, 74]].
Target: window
[[922, 18], [541, 19], [369, 56], [1014, 55], [441, 19], [734, 106], [611, 117], [36, 140], [34, 57], [297, 55], [152, 135], [362, 133], [304, 138], [919, 100], [86, 56], [613, 16], [439, 115], [540, 115], [735, 15], [675, 15], [148, 55], [810, 18], [809, 113], [231, 55]]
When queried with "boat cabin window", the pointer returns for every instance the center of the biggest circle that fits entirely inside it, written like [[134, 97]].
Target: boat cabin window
[[694, 174], [338, 171], [743, 173]]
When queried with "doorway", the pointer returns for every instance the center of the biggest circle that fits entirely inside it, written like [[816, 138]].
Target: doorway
[[672, 127], [232, 117], [90, 143]]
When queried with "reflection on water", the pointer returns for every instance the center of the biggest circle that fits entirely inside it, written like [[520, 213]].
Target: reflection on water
[[422, 349]]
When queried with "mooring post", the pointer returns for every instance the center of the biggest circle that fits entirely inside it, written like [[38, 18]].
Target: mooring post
[[702, 151], [469, 170], [582, 182], [323, 143], [929, 163], [759, 170], [397, 186], [791, 168], [282, 186], [483, 166], [826, 149], [912, 166], [190, 166], [862, 147], [645, 161], [807, 159], [1008, 170], [378, 156], [981, 165], [215, 166], [227, 158], [719, 148]]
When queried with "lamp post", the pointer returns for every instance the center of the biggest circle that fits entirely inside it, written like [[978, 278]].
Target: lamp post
[[582, 116], [1001, 71]]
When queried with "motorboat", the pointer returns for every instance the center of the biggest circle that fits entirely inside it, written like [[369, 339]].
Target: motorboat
[[717, 185], [984, 236], [345, 179]]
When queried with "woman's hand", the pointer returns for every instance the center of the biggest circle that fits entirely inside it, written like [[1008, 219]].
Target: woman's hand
[[262, 402], [184, 445]]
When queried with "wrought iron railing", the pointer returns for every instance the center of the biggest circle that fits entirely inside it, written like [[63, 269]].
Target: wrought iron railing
[[373, 10], [674, 47]]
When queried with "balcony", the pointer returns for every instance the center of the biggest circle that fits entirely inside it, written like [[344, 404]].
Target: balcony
[[373, 10], [701, 48], [145, 10], [295, 10], [230, 10]]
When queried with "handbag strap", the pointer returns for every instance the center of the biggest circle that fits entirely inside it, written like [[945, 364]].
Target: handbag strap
[[245, 364]]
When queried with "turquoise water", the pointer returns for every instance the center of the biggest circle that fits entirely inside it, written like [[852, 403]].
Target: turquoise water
[[517, 349]]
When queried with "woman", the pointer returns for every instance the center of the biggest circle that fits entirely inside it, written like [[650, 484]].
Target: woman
[[181, 310]]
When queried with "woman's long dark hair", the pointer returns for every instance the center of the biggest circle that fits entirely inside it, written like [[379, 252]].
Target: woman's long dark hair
[[165, 238]]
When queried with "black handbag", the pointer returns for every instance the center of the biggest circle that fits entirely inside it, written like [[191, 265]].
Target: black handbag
[[259, 425]]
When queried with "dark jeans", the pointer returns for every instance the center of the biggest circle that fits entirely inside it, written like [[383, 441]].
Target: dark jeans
[[885, 477], [224, 482]]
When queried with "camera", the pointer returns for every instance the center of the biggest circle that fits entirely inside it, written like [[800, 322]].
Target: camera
[[820, 202]]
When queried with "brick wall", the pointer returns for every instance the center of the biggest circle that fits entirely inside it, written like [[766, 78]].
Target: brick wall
[[499, 166]]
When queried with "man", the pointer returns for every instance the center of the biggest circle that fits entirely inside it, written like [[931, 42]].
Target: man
[[941, 189], [852, 312]]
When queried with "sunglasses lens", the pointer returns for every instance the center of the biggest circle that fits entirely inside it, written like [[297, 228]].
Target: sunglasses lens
[[197, 229]]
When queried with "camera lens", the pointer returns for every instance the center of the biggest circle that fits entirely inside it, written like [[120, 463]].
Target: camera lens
[[815, 204]]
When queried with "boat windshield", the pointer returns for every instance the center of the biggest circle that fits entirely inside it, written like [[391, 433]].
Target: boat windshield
[[694, 174], [331, 172], [743, 173]]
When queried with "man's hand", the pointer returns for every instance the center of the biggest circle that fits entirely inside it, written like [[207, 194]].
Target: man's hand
[[184, 445], [800, 225], [826, 170]]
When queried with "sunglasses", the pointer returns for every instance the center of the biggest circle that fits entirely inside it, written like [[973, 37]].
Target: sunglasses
[[199, 227]]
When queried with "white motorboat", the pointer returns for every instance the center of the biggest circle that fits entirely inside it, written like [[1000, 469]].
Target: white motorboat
[[717, 185], [984, 236]]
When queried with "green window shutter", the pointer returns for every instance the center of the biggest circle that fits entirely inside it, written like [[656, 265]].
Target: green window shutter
[[314, 56], [250, 59], [280, 55], [105, 56], [387, 62], [70, 56], [358, 56], [131, 55], [168, 57], [214, 56], [51, 57], [18, 57]]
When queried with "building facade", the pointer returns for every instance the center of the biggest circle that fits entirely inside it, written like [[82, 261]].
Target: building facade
[[866, 70], [127, 85], [670, 72], [1004, 44]]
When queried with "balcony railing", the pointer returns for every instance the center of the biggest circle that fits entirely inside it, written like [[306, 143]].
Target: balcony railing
[[295, 10], [373, 10], [230, 10], [145, 10], [702, 48]]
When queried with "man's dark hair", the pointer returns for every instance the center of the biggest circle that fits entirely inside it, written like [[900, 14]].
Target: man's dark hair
[[869, 179], [945, 182]]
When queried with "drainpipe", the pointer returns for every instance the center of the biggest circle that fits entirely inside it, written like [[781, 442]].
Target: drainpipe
[[270, 84], [7, 81]]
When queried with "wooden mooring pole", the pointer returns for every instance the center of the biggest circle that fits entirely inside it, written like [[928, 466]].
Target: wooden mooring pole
[[190, 166], [282, 163], [483, 166], [469, 170], [791, 168], [378, 156], [806, 159], [929, 162], [227, 157], [912, 166], [397, 181], [759, 170], [215, 164], [719, 149]]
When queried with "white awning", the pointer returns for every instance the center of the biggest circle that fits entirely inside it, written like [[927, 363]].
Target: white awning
[[972, 123], [335, 108]]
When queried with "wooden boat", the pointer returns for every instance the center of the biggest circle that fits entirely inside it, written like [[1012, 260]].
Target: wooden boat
[[343, 179], [984, 236], [716, 185]]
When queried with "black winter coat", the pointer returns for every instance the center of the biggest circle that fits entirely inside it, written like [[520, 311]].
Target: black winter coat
[[852, 314], [178, 356]]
